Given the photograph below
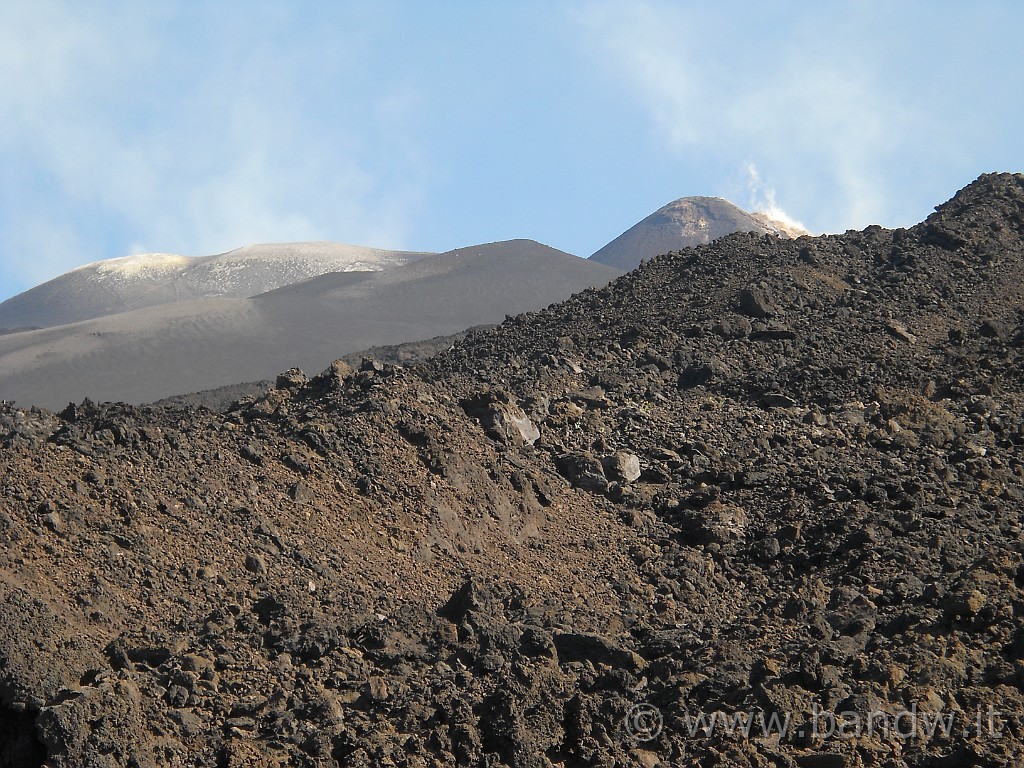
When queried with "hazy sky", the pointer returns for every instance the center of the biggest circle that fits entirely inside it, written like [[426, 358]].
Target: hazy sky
[[196, 127]]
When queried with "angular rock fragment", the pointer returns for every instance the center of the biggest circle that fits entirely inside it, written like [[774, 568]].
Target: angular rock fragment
[[621, 466], [502, 419], [757, 301], [583, 471]]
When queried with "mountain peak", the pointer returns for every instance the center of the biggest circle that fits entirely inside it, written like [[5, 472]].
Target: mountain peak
[[684, 223]]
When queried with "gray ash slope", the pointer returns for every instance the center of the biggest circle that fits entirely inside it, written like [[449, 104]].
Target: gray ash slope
[[761, 475], [189, 346]]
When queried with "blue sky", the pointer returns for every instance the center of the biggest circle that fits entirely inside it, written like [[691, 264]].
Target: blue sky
[[194, 128]]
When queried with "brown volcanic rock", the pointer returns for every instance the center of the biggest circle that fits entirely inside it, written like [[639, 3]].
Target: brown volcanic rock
[[364, 570], [684, 223]]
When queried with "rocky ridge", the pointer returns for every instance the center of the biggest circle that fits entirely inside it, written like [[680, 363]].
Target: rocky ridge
[[761, 476]]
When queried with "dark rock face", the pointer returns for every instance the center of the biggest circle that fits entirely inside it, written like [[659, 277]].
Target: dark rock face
[[812, 516], [19, 745], [756, 301]]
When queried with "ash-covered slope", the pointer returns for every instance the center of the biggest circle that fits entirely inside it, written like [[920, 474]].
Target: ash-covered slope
[[685, 223], [759, 477], [146, 280], [187, 346]]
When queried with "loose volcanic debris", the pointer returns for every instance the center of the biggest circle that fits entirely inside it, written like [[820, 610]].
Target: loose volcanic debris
[[760, 476]]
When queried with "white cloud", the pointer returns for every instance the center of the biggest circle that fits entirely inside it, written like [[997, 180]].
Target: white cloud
[[194, 129], [652, 55], [805, 106]]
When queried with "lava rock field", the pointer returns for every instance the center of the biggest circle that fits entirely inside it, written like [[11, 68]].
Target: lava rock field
[[759, 477]]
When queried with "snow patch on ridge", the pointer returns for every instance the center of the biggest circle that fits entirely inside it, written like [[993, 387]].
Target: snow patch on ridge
[[135, 266], [255, 269], [245, 271]]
